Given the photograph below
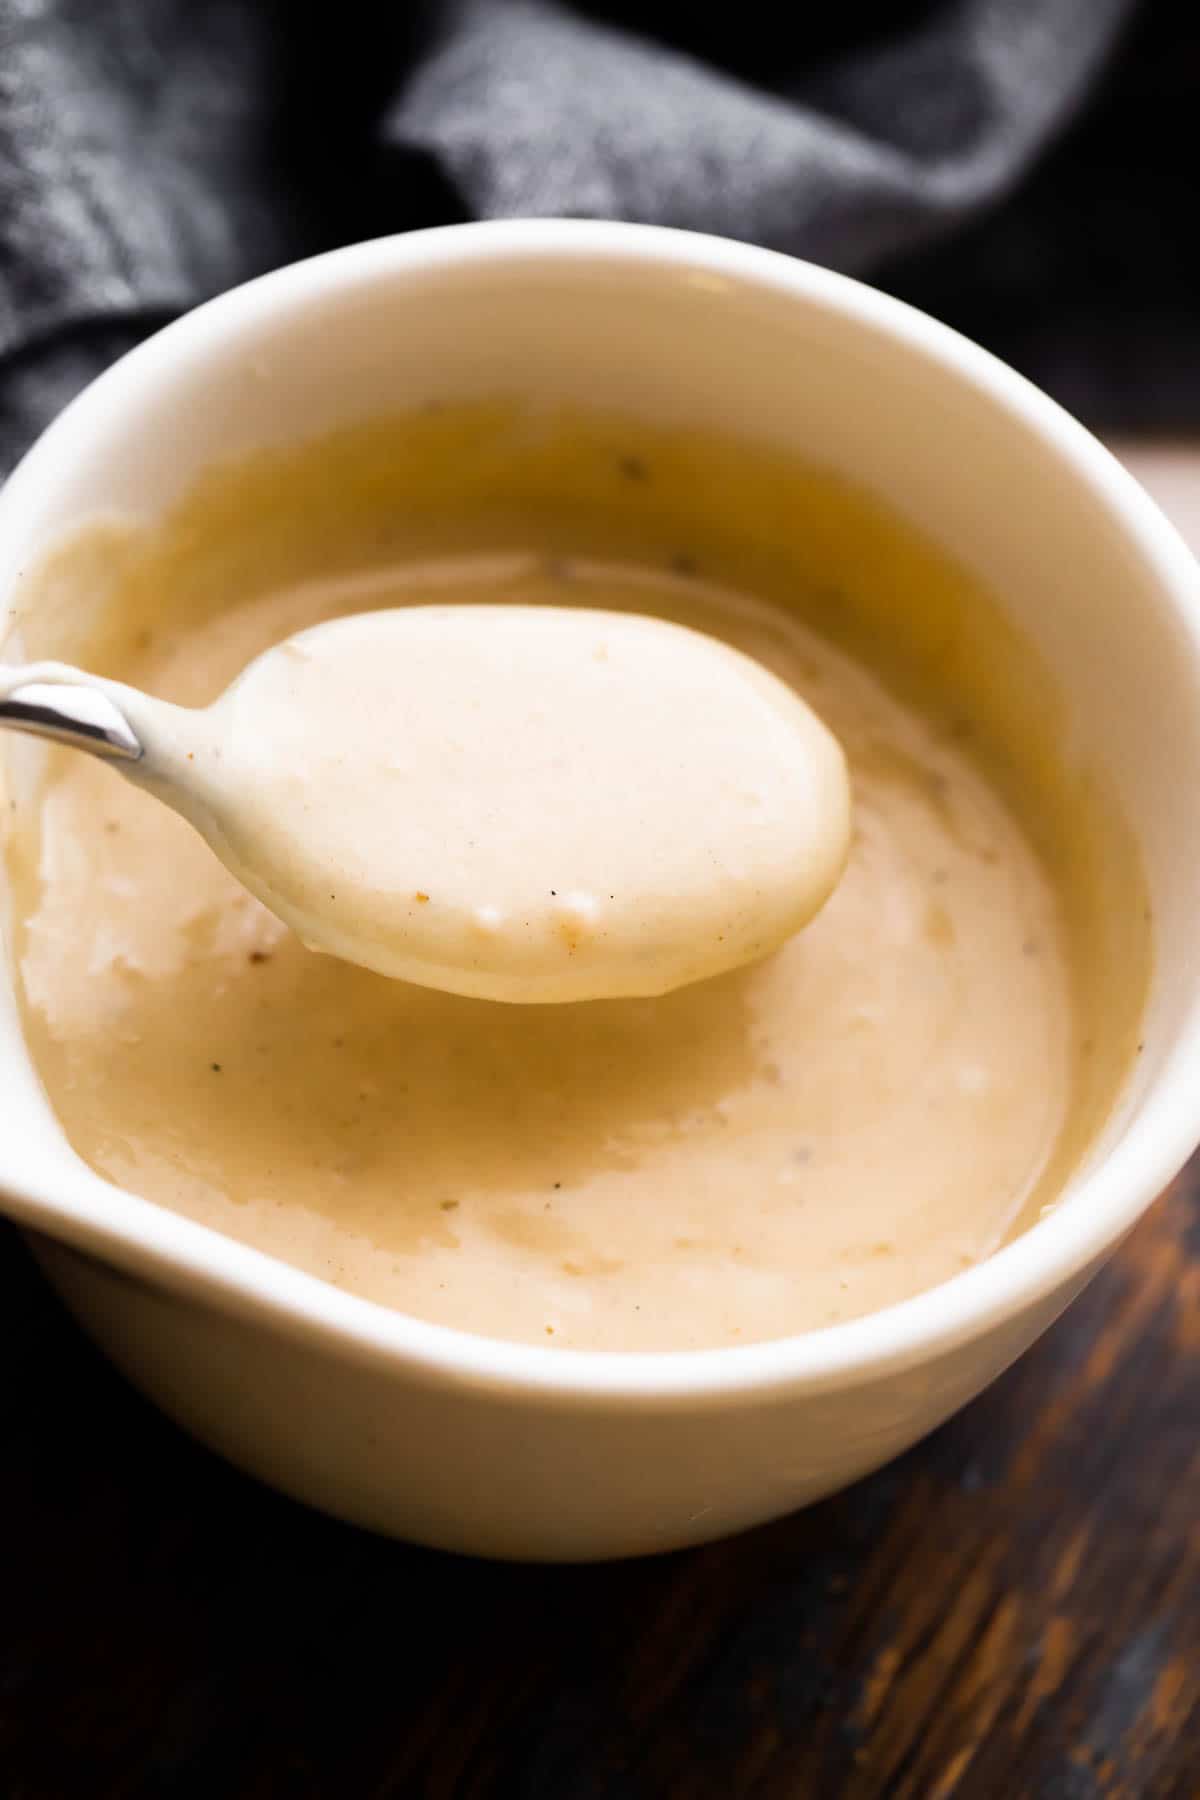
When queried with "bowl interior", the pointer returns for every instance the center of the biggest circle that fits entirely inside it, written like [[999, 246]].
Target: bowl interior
[[694, 333]]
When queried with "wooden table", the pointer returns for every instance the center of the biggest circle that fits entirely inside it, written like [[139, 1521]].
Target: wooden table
[[1011, 1610]]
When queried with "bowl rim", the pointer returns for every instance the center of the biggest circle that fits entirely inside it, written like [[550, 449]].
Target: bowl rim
[[1040, 1265]]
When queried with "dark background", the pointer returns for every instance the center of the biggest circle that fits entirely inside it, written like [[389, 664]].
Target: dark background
[[1087, 278]]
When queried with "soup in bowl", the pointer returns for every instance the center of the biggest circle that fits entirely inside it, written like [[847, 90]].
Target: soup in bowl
[[610, 1276]]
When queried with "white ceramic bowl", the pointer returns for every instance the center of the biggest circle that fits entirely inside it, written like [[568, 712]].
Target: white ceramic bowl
[[519, 1451]]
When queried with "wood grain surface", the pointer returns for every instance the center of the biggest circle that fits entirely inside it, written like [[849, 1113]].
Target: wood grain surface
[[1013, 1609]]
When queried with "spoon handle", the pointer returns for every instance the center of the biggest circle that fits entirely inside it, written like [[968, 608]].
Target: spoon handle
[[54, 701]]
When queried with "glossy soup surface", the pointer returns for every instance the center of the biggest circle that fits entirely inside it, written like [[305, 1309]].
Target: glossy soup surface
[[855, 1117]]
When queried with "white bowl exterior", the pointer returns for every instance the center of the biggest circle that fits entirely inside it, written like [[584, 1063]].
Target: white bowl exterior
[[515, 1476], [517, 1450]]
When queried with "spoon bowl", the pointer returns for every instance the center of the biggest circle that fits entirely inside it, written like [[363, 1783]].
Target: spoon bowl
[[525, 804]]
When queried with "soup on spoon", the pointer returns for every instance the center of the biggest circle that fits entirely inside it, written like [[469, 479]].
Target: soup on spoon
[[516, 803]]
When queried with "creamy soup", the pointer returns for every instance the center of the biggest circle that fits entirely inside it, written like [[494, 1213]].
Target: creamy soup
[[866, 1111], [533, 804]]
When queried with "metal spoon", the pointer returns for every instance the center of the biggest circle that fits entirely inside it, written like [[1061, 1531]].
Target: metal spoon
[[505, 802], [55, 701]]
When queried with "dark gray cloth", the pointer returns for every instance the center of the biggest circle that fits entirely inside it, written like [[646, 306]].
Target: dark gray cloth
[[153, 152]]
